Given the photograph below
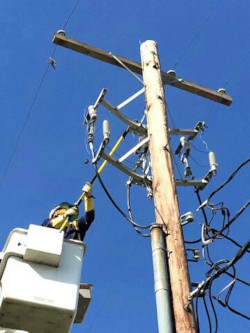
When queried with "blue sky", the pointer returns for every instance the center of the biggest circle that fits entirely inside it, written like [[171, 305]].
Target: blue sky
[[43, 140]]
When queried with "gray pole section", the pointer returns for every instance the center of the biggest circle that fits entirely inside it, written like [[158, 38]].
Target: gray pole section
[[161, 278]]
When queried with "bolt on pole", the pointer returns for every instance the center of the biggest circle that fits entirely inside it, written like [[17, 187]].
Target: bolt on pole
[[165, 196]]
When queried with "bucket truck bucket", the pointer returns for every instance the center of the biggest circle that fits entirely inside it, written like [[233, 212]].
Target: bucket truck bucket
[[40, 275]]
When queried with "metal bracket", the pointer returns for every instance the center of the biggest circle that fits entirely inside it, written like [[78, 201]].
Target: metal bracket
[[100, 97], [199, 127], [200, 183], [196, 254], [99, 152], [134, 127], [133, 150], [205, 241], [130, 99], [136, 178], [198, 292]]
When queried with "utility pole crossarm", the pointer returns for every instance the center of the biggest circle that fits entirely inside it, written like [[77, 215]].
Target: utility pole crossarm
[[94, 52]]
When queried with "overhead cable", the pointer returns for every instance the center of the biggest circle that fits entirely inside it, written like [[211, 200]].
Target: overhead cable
[[117, 207], [33, 102], [229, 179], [24, 123], [196, 34]]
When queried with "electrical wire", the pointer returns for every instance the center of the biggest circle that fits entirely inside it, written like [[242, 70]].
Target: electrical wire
[[230, 287], [230, 263], [200, 165], [24, 124], [237, 68], [195, 148], [197, 315], [210, 279], [130, 212], [33, 103], [215, 231], [116, 206], [193, 242], [176, 164], [231, 221], [196, 34], [229, 179], [170, 114], [70, 14], [207, 313], [213, 308]]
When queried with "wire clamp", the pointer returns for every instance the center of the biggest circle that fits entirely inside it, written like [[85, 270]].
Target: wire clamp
[[198, 292], [52, 62], [196, 255]]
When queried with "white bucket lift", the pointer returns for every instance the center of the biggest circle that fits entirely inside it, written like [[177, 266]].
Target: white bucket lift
[[40, 282]]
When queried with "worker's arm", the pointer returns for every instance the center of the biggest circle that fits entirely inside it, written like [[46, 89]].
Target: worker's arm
[[88, 199], [86, 220], [56, 222]]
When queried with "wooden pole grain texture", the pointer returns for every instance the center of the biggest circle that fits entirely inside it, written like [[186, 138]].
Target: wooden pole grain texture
[[165, 196]]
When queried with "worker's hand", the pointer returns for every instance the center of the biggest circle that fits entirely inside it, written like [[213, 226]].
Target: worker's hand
[[71, 212], [87, 188]]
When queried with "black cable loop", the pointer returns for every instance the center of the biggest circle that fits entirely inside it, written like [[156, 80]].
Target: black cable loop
[[231, 221], [228, 295], [130, 211], [116, 206]]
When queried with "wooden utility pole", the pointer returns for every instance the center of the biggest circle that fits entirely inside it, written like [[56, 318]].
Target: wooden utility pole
[[165, 196], [166, 203]]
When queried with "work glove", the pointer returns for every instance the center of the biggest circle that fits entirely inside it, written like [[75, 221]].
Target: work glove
[[71, 212], [87, 188]]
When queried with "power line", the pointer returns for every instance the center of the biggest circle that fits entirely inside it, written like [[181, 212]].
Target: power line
[[134, 224], [237, 68], [229, 179], [24, 124], [33, 101], [71, 13], [196, 34]]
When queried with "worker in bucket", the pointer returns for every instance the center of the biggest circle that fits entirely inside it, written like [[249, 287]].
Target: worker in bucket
[[64, 216]]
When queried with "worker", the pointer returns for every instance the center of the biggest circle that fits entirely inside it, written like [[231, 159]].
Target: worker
[[66, 214]]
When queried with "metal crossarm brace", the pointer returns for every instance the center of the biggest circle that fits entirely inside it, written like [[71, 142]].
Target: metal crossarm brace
[[200, 183], [177, 131], [133, 126], [198, 127], [134, 149], [100, 97], [137, 178], [197, 89]]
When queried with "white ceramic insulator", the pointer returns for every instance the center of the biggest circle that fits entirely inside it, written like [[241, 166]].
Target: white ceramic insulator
[[184, 142], [212, 161], [92, 112], [106, 130]]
